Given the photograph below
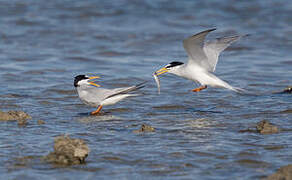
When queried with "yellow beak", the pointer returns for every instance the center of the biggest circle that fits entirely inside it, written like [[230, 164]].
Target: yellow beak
[[94, 77], [161, 71], [92, 83]]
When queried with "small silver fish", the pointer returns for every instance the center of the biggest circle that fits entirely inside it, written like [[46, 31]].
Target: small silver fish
[[157, 82]]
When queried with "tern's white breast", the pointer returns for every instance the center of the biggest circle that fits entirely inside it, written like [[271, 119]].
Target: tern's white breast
[[194, 73], [85, 97]]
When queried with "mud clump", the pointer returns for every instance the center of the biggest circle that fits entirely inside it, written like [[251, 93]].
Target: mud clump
[[265, 127], [262, 127], [288, 90], [21, 122], [19, 116], [24, 161], [144, 128], [40, 122], [287, 111], [284, 173], [68, 151], [13, 116]]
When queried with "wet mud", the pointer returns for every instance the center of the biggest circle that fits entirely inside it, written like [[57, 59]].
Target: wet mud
[[265, 127], [287, 90], [262, 127], [145, 128], [14, 116], [19, 116], [284, 173], [25, 161], [68, 151], [286, 111], [40, 122]]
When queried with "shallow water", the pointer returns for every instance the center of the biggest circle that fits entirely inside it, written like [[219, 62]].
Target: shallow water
[[44, 44]]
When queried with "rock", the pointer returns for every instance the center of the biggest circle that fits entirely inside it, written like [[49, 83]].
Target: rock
[[145, 128], [13, 116], [22, 122], [264, 127], [68, 151], [284, 173], [288, 90], [24, 161], [249, 130], [40, 122], [287, 111]]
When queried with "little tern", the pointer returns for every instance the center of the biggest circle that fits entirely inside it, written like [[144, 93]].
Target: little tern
[[202, 60], [93, 95]]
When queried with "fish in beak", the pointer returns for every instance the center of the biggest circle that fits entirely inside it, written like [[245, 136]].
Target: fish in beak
[[156, 74]]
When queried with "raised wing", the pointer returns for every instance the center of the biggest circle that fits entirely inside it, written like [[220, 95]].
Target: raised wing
[[194, 47], [215, 47]]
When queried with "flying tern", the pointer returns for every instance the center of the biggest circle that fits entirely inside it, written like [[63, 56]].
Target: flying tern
[[202, 61]]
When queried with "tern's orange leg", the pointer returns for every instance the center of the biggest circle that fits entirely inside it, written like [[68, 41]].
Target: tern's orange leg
[[97, 110], [199, 88]]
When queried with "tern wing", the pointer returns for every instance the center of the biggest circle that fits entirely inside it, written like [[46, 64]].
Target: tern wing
[[97, 94], [118, 91], [215, 47], [194, 46]]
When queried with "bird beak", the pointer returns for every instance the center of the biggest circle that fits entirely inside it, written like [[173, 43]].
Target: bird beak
[[92, 83], [161, 71], [94, 77]]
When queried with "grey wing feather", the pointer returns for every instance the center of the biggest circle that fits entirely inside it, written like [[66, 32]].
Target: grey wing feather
[[194, 47], [98, 94], [215, 47], [126, 90]]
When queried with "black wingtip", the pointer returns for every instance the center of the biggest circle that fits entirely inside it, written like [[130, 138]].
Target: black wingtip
[[207, 31], [141, 85], [212, 29]]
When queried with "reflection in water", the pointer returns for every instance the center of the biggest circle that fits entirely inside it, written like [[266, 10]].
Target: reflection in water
[[200, 123], [97, 118]]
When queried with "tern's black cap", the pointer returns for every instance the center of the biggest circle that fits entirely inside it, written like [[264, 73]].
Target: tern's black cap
[[79, 78], [173, 64]]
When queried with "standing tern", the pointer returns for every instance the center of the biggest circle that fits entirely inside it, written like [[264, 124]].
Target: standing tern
[[91, 94], [202, 60]]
